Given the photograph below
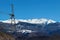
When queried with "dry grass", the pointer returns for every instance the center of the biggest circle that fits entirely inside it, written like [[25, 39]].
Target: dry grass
[[4, 36]]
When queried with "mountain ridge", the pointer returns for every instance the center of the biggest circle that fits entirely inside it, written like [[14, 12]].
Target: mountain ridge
[[25, 27], [33, 21]]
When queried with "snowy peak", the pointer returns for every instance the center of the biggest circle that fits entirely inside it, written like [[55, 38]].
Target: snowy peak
[[33, 21], [9, 21], [40, 21]]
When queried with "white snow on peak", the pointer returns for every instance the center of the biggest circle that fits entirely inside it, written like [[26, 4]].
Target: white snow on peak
[[9, 21], [34, 21]]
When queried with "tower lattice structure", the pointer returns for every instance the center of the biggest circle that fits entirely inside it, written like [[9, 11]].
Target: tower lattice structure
[[12, 16]]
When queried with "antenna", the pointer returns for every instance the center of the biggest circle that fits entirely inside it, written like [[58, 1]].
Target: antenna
[[12, 16]]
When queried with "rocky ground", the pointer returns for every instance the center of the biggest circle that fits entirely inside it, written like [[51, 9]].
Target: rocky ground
[[4, 36]]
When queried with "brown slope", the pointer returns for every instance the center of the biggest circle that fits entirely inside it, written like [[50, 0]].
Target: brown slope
[[4, 36]]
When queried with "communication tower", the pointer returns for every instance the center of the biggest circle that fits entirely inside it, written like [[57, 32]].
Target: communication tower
[[12, 16]]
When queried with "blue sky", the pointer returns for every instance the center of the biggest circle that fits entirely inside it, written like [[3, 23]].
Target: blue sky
[[28, 9]]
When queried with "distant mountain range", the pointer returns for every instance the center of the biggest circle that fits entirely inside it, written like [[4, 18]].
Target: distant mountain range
[[43, 27], [33, 21]]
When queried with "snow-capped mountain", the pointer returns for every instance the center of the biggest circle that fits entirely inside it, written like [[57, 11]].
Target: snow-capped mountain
[[42, 26], [33, 21]]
